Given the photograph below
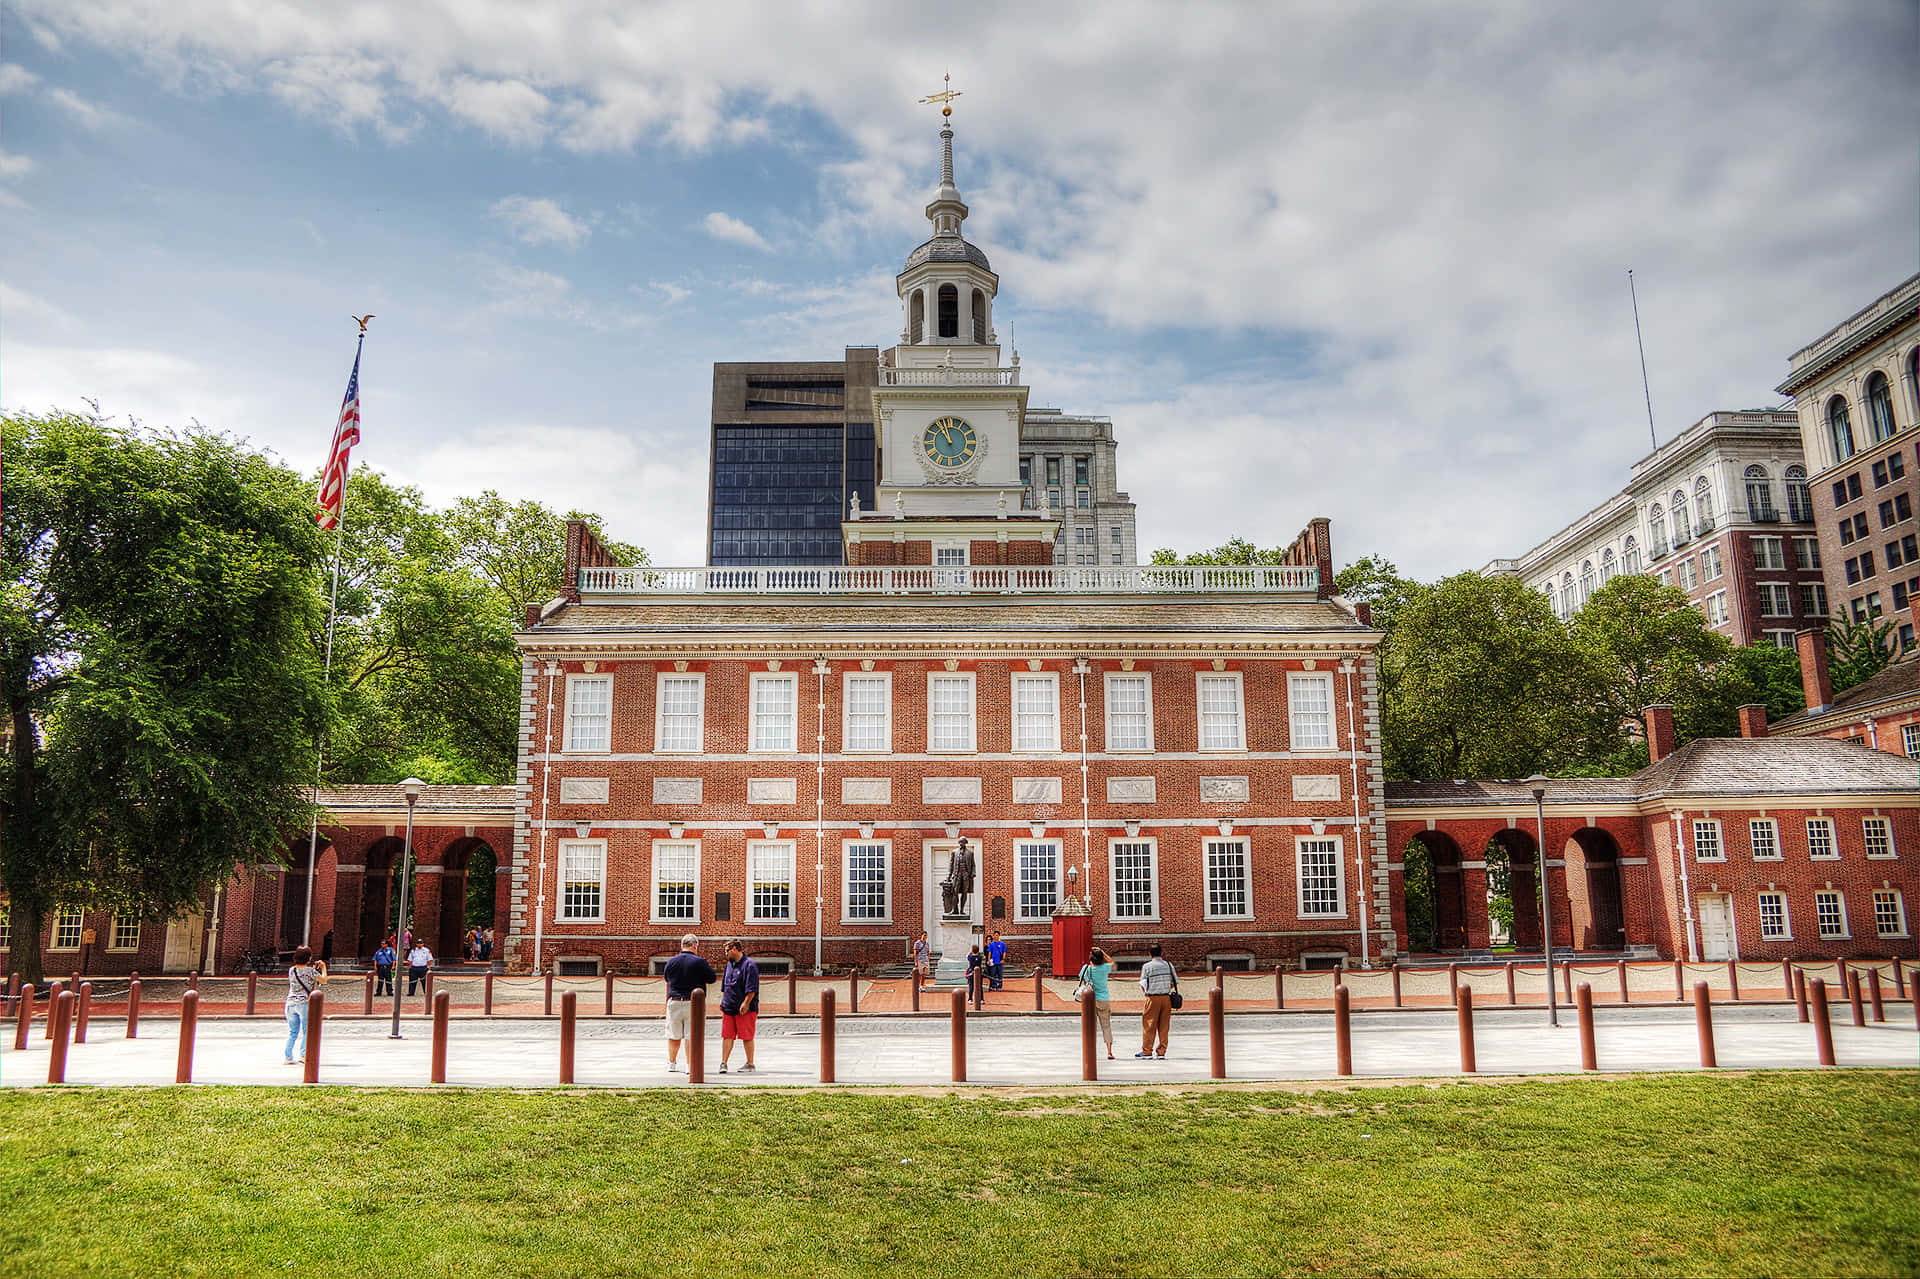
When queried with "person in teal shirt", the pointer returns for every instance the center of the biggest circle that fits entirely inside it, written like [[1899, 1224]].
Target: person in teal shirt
[[1095, 973]]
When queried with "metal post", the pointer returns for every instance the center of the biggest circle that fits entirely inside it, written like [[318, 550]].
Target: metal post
[[426, 992], [1822, 1026], [568, 1015], [60, 1018], [53, 995], [1800, 993], [914, 985], [1625, 997], [1539, 786], [826, 1035], [546, 1003], [609, 1003], [1513, 998], [85, 1006], [1280, 987], [1453, 981], [1873, 989], [24, 1026], [1089, 1056], [959, 1036], [1703, 1022], [316, 1021], [697, 1038], [487, 1006], [1217, 1030], [1463, 1016], [1342, 1033], [1679, 982], [133, 1008], [189, 1016], [1583, 1004], [442, 1008], [853, 991], [1396, 985], [1853, 998], [253, 982], [366, 996], [1733, 980], [1038, 990], [412, 787], [793, 991]]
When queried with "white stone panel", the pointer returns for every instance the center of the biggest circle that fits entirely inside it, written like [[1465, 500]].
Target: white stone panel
[[772, 790], [1316, 786], [1130, 790], [584, 790], [866, 790], [950, 790], [1225, 790], [1036, 790], [676, 790]]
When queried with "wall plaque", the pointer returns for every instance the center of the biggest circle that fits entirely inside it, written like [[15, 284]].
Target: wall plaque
[[866, 790], [772, 790], [1316, 786], [583, 790], [676, 790], [1036, 790], [950, 790], [1130, 790], [1225, 790]]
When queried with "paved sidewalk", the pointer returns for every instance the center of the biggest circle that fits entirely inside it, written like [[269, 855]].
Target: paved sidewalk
[[914, 1051]]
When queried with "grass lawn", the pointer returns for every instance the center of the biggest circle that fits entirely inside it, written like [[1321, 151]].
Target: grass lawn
[[1769, 1174]]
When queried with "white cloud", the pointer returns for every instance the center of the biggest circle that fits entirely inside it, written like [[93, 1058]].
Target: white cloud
[[673, 292], [90, 115], [723, 226], [14, 165], [15, 78], [540, 221], [510, 110]]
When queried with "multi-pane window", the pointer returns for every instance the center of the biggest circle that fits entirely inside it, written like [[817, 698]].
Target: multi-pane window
[[6, 925], [1769, 552], [1910, 740], [1703, 504], [678, 723], [1630, 556], [950, 712], [676, 880], [1229, 880], [1687, 578], [770, 881], [950, 556], [1129, 712], [1221, 727], [583, 878], [1135, 891], [1080, 469], [589, 712], [1320, 888], [1806, 552], [865, 879], [1799, 500], [1036, 713], [775, 700], [1831, 912], [1710, 564], [868, 718], [1706, 842], [1773, 917], [1657, 525], [126, 934], [1760, 494], [1083, 498], [1820, 838], [1764, 834], [67, 929], [1813, 601], [1716, 608], [1879, 835], [1682, 528], [1310, 712], [1776, 600], [1038, 891], [1889, 913]]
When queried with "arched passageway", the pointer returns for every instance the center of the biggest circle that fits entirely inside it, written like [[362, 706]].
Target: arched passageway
[[1593, 886], [1436, 894], [377, 891]]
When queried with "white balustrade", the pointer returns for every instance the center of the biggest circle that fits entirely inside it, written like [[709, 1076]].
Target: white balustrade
[[946, 375], [976, 579]]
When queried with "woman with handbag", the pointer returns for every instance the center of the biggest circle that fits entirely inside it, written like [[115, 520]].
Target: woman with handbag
[[1093, 978], [1160, 985]]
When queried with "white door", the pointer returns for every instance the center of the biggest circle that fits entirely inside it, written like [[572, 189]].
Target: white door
[[183, 944], [1716, 926]]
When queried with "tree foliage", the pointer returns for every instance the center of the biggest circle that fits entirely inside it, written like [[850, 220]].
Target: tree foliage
[[156, 654], [1376, 582], [1237, 551], [1857, 651], [1644, 644]]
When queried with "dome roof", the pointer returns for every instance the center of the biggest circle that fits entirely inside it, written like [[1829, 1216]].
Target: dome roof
[[946, 248]]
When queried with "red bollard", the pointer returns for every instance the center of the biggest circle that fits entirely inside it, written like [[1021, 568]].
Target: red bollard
[[53, 995], [1339, 977], [1703, 1022], [1512, 997], [1396, 985], [826, 1035], [546, 1008], [189, 1017], [1899, 979], [1583, 1002], [1822, 1027], [1679, 982], [193, 981], [1840, 977], [1219, 977], [487, 1007], [1280, 987], [1039, 991], [442, 1009], [1453, 981], [25, 1025], [609, 1001], [697, 1038], [253, 981], [793, 991], [959, 1036], [853, 991], [1873, 989], [1217, 1029], [569, 1013], [1089, 1035], [13, 983], [1342, 1033], [133, 1009], [1463, 1014], [85, 1006], [1853, 998], [1625, 998], [316, 1022], [60, 1018], [1733, 980], [1786, 977], [1800, 992], [426, 992], [366, 996], [914, 985]]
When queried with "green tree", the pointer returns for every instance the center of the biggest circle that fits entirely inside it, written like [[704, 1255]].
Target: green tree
[[1376, 581], [520, 548], [1237, 551], [156, 654], [1643, 643], [1857, 651]]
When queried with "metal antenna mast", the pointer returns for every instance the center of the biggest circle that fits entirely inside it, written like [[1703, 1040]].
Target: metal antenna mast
[[1638, 341]]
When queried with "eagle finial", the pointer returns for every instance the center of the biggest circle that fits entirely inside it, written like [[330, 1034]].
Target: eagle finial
[[363, 321]]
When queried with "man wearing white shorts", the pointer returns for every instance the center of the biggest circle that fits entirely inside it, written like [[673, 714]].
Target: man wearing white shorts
[[683, 972]]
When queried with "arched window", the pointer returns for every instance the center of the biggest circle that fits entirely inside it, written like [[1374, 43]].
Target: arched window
[[1606, 566], [1553, 600], [1657, 521], [1567, 604], [1586, 582], [1682, 532], [1630, 556], [1703, 504], [1799, 501], [949, 311], [916, 316], [1760, 495], [1880, 407], [979, 318], [1840, 428]]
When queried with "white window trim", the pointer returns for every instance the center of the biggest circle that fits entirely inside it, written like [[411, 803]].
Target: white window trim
[[973, 714], [560, 915], [53, 936], [653, 882], [1846, 926], [1020, 914], [1113, 879], [1786, 916], [1246, 853], [1833, 840], [113, 929], [1333, 719], [792, 847], [1899, 908], [1892, 853], [1051, 678], [1240, 709], [1719, 840], [846, 713], [567, 729], [1146, 678], [1779, 853], [660, 719], [1339, 875], [792, 681], [846, 852]]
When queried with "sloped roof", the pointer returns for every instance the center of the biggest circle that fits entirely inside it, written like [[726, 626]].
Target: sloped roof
[[946, 248], [433, 799], [1496, 792], [1898, 681], [1066, 614]]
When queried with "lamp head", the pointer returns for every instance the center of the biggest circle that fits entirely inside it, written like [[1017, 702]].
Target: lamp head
[[1538, 785], [412, 787]]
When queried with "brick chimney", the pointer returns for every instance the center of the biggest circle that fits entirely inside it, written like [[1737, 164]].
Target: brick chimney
[[1659, 732], [1815, 682], [1753, 720]]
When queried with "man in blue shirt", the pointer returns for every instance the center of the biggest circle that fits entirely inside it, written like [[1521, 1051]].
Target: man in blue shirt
[[683, 972], [383, 969], [996, 960], [739, 1003]]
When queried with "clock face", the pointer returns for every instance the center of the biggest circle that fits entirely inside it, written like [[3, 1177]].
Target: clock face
[[949, 441]]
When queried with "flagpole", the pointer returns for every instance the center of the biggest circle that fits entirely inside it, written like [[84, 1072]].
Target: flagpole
[[333, 605]]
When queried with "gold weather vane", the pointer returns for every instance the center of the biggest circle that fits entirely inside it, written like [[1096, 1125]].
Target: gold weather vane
[[945, 97], [363, 321]]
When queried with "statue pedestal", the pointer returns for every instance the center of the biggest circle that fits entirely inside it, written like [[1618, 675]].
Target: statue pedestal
[[952, 937]]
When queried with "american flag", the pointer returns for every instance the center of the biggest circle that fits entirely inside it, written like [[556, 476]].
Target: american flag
[[333, 480]]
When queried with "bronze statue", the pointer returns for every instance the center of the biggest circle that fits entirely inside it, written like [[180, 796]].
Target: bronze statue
[[956, 891]]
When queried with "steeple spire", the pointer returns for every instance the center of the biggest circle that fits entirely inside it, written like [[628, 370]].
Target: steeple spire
[[947, 211]]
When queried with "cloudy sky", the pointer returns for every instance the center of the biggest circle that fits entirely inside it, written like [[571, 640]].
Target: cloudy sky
[[1349, 259]]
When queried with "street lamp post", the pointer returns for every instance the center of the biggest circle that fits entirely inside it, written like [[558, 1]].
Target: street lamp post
[[412, 786], [1538, 785]]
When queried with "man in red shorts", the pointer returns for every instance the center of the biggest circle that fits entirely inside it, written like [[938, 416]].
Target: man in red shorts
[[739, 1003]]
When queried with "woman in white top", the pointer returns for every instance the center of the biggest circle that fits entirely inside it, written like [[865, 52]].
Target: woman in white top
[[303, 978]]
